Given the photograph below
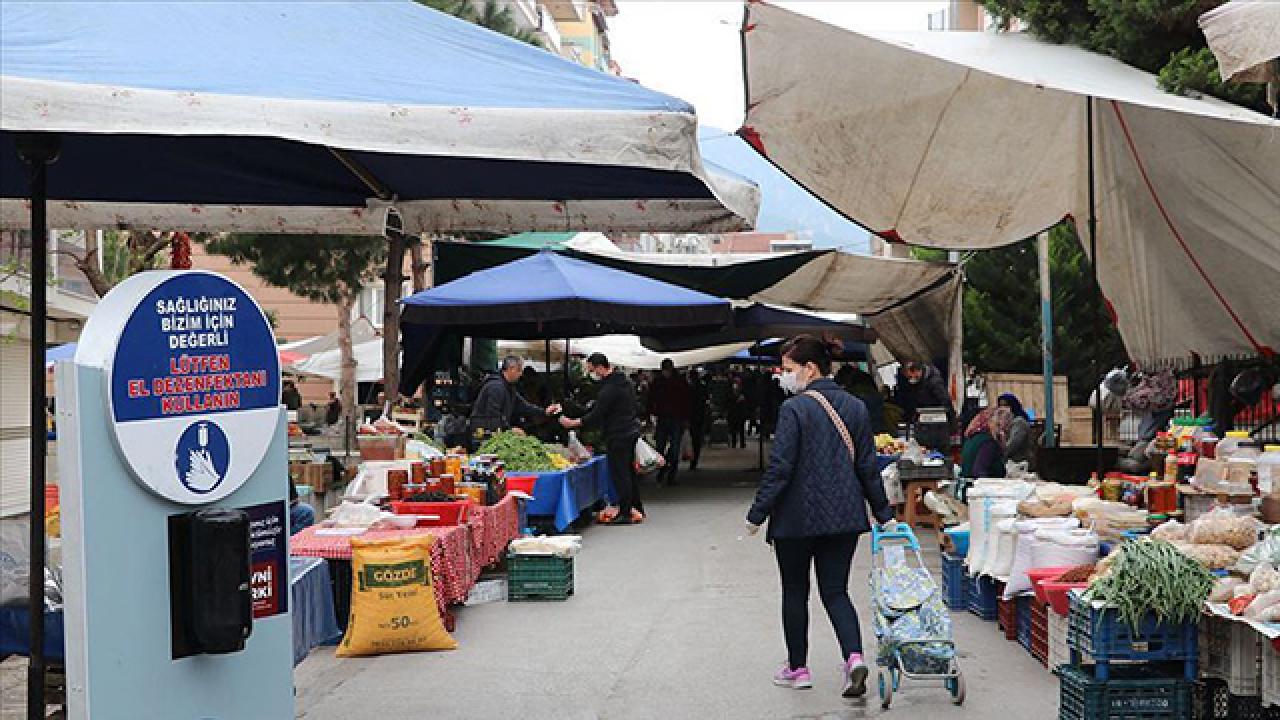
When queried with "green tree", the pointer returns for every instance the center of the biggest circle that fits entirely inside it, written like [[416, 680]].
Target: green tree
[[1159, 36], [323, 268], [492, 14], [1002, 324]]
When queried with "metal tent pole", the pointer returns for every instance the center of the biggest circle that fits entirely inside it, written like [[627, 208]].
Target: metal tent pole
[[38, 150], [1096, 373], [1046, 336]]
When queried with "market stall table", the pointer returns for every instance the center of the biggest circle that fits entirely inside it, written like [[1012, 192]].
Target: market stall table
[[310, 606], [565, 494], [458, 554]]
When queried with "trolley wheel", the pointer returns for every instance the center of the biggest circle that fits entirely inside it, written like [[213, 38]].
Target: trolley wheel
[[956, 686], [886, 689]]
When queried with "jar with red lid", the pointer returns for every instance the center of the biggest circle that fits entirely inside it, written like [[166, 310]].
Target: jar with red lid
[[396, 481]]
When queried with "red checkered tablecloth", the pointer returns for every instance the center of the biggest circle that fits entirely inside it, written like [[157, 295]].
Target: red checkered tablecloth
[[458, 555]]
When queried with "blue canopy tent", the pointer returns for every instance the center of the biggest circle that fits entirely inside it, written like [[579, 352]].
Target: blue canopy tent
[[320, 118], [277, 117], [548, 295]]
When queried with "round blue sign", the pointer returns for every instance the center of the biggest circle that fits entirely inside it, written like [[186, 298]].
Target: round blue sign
[[194, 378], [202, 457]]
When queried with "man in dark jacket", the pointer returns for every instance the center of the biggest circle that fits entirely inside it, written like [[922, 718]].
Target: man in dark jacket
[[922, 386], [699, 399], [615, 413], [669, 404], [498, 405]]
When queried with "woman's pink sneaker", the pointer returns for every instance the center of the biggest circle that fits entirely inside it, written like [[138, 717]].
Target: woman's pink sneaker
[[855, 677], [797, 679]]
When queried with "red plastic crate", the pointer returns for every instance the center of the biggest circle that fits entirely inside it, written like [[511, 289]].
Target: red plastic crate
[[435, 514], [1040, 633], [1007, 617]]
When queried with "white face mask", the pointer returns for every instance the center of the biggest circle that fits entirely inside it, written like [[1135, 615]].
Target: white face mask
[[790, 382]]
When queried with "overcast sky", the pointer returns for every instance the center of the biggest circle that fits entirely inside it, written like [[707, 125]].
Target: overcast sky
[[690, 48]]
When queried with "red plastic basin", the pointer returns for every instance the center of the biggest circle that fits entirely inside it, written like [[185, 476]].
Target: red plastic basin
[[1038, 575], [1057, 594], [521, 483], [435, 514]]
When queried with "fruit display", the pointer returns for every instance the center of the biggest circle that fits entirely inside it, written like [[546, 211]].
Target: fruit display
[[888, 445]]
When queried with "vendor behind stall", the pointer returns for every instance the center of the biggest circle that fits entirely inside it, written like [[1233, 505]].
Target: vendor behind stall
[[499, 405], [922, 386]]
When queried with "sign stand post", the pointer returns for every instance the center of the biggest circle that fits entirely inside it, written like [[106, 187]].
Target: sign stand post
[[171, 406]]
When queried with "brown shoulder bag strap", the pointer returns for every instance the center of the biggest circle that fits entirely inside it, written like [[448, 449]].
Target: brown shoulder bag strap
[[839, 423]]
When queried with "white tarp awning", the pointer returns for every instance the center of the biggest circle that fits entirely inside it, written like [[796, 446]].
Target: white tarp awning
[[362, 330], [1245, 38], [909, 303], [977, 140], [328, 363]]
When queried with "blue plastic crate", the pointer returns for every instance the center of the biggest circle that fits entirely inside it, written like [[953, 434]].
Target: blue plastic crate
[[983, 594], [1102, 634], [1024, 621], [955, 584]]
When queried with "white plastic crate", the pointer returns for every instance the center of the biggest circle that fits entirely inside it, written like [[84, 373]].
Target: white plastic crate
[[1270, 674], [1059, 650], [1231, 651]]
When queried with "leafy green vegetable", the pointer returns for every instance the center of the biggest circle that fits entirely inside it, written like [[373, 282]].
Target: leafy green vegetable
[[1153, 576], [518, 452]]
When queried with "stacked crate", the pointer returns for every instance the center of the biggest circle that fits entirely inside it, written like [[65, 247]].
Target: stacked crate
[[1242, 666], [1135, 674], [955, 583]]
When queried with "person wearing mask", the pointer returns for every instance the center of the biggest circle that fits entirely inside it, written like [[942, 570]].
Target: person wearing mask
[[669, 399], [699, 410], [1017, 446], [498, 405], [923, 388], [982, 455], [333, 411], [616, 414], [815, 492]]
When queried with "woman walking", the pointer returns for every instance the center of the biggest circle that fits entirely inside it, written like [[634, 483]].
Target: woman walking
[[821, 476]]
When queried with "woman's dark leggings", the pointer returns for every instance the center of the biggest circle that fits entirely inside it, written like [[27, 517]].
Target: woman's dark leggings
[[831, 557]]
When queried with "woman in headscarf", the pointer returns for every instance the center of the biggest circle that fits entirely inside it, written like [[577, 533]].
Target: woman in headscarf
[[982, 455], [1018, 445]]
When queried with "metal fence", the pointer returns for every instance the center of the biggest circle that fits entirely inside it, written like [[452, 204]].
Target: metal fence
[[1262, 419]]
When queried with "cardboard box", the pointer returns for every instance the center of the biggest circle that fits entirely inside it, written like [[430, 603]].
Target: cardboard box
[[318, 475]]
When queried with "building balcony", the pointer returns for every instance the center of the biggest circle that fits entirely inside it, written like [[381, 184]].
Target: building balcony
[[568, 10]]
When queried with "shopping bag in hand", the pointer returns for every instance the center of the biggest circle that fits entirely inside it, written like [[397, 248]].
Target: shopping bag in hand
[[647, 459]]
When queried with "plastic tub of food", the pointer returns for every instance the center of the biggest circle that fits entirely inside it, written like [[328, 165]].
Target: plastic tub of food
[[1058, 594], [1039, 575]]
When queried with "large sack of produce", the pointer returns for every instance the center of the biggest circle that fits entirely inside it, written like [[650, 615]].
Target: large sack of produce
[[1024, 551], [1057, 547], [393, 602]]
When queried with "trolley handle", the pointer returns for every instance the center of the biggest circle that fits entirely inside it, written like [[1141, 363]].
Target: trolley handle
[[901, 536]]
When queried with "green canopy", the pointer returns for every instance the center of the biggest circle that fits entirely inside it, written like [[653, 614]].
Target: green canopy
[[533, 240]]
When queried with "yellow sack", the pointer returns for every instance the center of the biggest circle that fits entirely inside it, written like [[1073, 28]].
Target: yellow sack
[[393, 603]]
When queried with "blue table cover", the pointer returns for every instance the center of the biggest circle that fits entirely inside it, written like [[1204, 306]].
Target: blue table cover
[[311, 605], [311, 598], [566, 493], [15, 633], [884, 461]]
